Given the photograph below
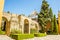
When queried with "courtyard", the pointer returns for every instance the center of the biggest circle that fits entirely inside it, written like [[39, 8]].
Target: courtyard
[[48, 37], [29, 22]]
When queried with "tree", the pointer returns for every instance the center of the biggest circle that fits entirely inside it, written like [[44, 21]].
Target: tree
[[55, 25], [8, 11], [43, 16], [50, 13], [52, 19]]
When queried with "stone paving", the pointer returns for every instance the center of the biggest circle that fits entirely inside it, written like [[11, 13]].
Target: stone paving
[[4, 37], [48, 37]]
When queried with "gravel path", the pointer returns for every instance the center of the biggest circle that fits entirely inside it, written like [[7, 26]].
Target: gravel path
[[48, 37], [4, 37]]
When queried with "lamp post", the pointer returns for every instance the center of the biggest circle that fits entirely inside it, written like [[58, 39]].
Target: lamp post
[[1, 10]]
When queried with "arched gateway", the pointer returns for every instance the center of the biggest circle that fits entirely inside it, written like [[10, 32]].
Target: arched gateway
[[26, 26], [5, 26]]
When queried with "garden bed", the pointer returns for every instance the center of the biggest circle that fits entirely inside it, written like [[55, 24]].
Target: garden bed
[[22, 36], [40, 34]]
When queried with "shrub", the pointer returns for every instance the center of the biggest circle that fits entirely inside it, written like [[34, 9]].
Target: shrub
[[2, 32], [15, 31], [32, 31], [40, 34], [22, 36]]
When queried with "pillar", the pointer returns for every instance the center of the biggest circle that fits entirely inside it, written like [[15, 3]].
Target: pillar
[[8, 28], [1, 10]]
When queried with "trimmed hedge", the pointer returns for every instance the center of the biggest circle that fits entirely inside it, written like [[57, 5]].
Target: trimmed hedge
[[32, 31], [2, 32], [14, 31], [40, 34], [22, 36]]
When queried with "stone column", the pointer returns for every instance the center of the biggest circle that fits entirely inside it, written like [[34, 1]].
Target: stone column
[[23, 26], [1, 10], [29, 27], [8, 28]]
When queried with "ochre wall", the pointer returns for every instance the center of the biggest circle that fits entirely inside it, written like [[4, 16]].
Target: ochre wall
[[1, 10], [59, 22]]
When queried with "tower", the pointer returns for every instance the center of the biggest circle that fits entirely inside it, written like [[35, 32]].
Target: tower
[[59, 22], [1, 10]]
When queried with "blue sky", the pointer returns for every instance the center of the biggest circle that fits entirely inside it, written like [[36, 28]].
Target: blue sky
[[28, 6]]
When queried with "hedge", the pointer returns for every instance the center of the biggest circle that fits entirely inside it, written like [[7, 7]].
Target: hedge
[[22, 36], [2, 32], [32, 31], [40, 34]]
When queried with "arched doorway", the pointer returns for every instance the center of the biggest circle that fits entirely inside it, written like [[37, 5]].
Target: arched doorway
[[26, 26], [5, 26]]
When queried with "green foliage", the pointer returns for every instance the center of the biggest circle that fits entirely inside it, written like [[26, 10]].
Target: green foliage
[[32, 31], [22, 36], [2, 32], [40, 34], [52, 19], [15, 31], [43, 16], [55, 25], [50, 13], [8, 11]]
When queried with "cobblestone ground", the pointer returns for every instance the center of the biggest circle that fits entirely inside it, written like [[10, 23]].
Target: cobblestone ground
[[4, 37], [48, 37]]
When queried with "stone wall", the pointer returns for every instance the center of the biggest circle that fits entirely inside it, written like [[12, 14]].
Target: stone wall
[[59, 22], [1, 10]]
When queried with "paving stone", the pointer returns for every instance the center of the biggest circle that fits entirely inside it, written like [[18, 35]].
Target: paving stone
[[4, 37], [48, 37]]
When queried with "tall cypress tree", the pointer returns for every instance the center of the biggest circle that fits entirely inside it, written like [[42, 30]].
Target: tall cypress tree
[[50, 13], [52, 19], [43, 16], [55, 25]]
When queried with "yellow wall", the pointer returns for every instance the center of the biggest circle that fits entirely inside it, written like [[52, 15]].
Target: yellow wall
[[1, 10], [59, 22]]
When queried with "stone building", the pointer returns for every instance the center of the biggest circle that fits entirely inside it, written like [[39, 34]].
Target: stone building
[[1, 10], [59, 22], [18, 22]]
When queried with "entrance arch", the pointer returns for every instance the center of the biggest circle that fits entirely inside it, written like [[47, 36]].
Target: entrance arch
[[5, 26], [26, 26]]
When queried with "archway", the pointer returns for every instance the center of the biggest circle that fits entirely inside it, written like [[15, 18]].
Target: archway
[[5, 26], [26, 26]]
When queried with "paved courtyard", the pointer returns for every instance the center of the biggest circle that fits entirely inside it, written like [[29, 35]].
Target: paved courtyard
[[48, 37], [4, 37]]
